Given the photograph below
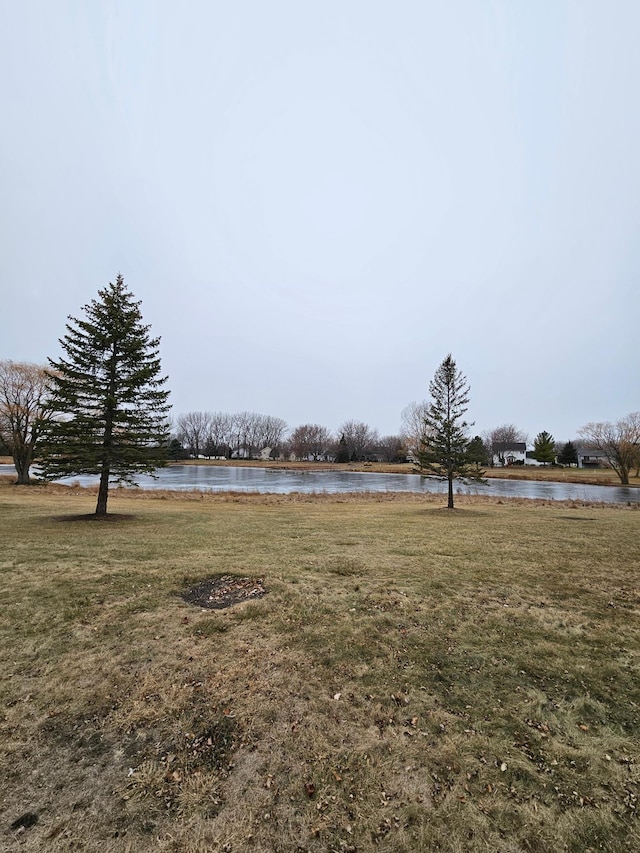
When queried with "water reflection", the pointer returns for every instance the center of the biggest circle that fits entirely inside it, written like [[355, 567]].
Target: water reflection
[[230, 478]]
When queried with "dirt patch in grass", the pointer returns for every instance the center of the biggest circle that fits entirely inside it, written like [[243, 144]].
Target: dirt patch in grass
[[225, 591]]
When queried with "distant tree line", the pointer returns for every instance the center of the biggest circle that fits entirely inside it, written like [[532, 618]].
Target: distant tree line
[[249, 435], [222, 435]]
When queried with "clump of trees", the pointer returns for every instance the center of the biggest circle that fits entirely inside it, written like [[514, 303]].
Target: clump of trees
[[244, 434], [311, 441], [359, 439], [391, 448], [107, 409]]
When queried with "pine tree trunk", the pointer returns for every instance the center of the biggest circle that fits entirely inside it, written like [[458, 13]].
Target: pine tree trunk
[[450, 496], [103, 491]]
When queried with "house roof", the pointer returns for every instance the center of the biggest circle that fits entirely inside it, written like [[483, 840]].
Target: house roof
[[585, 450], [509, 447]]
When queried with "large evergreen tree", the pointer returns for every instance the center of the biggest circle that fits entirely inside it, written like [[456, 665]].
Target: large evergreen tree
[[444, 443], [109, 407], [544, 448]]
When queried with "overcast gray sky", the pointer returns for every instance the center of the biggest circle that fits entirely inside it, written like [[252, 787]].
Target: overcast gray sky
[[316, 202]]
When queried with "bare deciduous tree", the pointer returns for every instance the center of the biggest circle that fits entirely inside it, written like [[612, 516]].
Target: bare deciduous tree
[[23, 398], [270, 433], [192, 430], [311, 441], [619, 442], [413, 426], [392, 448], [359, 438], [219, 435]]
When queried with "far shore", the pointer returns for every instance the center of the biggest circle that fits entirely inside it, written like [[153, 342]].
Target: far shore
[[555, 474]]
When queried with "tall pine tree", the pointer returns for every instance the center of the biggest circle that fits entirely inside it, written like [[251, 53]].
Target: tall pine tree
[[109, 408], [443, 447]]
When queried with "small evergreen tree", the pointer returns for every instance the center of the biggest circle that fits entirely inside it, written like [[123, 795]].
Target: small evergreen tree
[[443, 448], [544, 448], [568, 454], [477, 452], [106, 397], [342, 451], [176, 450]]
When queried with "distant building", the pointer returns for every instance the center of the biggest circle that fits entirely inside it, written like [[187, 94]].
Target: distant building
[[509, 453], [591, 457]]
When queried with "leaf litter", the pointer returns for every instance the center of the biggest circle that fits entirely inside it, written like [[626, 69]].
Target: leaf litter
[[224, 591]]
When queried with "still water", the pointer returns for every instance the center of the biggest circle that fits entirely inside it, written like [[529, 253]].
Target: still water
[[209, 478]]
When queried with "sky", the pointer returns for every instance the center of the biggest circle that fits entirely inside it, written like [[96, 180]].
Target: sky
[[317, 202]]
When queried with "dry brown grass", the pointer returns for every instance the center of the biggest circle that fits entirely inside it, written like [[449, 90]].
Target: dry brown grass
[[415, 679]]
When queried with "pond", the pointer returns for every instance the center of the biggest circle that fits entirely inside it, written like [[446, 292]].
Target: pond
[[210, 478]]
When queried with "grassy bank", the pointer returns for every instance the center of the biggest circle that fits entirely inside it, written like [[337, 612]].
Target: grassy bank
[[414, 679]]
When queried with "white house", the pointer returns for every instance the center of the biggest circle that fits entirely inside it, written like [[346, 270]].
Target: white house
[[509, 453]]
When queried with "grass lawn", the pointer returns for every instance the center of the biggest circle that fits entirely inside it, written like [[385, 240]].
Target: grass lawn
[[415, 679]]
